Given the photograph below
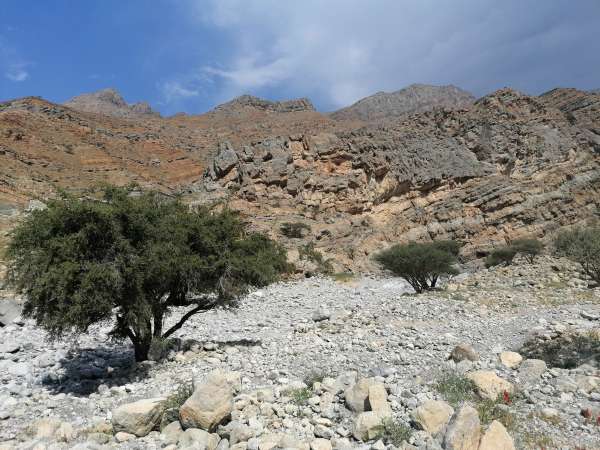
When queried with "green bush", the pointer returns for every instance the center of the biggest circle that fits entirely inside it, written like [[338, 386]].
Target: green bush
[[79, 262], [308, 252], [528, 248], [420, 264], [581, 245], [294, 229], [504, 255]]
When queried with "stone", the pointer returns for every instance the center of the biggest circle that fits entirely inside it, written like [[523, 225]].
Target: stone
[[531, 370], [121, 436], [549, 413], [377, 399], [464, 430], [171, 433], [357, 396], [9, 311], [46, 428], [239, 432], [432, 416], [320, 444], [226, 159], [367, 425], [10, 347], [65, 432], [139, 417], [321, 314], [496, 438], [512, 360], [463, 352], [210, 404], [489, 385], [587, 383], [195, 438]]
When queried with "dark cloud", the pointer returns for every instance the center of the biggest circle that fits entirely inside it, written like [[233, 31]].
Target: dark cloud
[[337, 51]]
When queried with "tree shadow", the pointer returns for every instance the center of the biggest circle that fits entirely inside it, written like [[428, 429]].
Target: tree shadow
[[82, 371], [566, 351]]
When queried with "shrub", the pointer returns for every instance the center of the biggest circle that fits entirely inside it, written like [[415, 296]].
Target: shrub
[[294, 229], [79, 262], [394, 433], [455, 388], [582, 245], [308, 252], [419, 264], [504, 256], [528, 248]]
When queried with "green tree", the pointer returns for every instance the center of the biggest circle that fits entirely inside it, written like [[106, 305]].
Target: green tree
[[421, 264], [133, 257], [582, 245]]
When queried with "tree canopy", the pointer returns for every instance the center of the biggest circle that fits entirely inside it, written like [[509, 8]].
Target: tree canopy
[[134, 257]]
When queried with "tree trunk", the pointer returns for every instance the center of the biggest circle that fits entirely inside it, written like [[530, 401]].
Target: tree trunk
[[141, 350]]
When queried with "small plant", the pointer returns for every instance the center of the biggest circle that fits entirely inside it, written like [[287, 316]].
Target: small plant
[[501, 256], [528, 248], [314, 377], [178, 398], [294, 229], [343, 277], [581, 245], [456, 389], [490, 410], [308, 252], [420, 264], [300, 396], [391, 432]]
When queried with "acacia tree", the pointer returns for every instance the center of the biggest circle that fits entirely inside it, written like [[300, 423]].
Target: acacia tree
[[133, 258], [421, 264]]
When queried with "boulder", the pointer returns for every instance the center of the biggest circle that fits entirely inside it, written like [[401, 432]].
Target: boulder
[[489, 385], [357, 396], [367, 425], [531, 370], [210, 404], [377, 399], [194, 438], [463, 352], [139, 417], [171, 433], [512, 360], [496, 438], [432, 416], [320, 444], [464, 430], [9, 311]]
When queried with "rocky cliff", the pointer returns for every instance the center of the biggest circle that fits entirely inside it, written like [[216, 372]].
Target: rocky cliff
[[415, 98], [509, 166]]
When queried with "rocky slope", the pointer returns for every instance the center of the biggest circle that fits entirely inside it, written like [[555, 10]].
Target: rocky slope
[[111, 103], [509, 166], [415, 98], [317, 364]]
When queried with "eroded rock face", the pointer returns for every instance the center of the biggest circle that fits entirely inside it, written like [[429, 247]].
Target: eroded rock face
[[110, 102], [507, 167]]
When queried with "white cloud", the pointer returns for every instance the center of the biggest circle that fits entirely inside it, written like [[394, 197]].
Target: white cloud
[[16, 73], [173, 91], [341, 50], [11, 64]]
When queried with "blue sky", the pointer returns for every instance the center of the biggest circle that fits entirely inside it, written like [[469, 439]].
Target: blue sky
[[188, 55]]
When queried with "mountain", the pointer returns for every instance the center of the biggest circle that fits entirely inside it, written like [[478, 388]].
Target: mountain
[[110, 102], [509, 165], [241, 104], [412, 99]]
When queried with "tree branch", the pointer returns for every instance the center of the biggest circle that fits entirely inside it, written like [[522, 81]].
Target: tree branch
[[186, 316]]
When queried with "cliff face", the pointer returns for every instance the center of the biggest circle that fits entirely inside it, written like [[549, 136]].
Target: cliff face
[[507, 166], [510, 166]]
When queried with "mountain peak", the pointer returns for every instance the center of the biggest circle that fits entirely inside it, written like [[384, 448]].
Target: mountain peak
[[411, 99], [111, 103], [246, 101]]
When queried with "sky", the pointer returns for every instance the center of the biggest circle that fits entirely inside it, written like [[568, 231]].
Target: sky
[[190, 55]]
